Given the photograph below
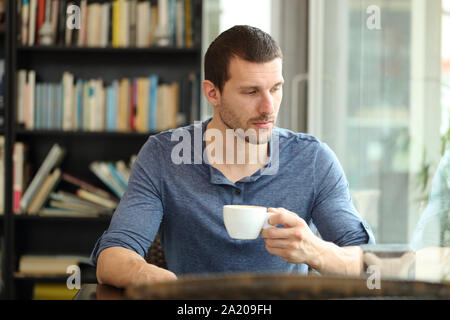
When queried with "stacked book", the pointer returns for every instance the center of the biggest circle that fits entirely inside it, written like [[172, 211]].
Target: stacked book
[[41, 197], [116, 23], [2, 175], [140, 104], [2, 93], [49, 264], [42, 184]]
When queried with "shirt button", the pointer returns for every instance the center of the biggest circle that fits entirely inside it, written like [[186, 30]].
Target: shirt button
[[237, 191]]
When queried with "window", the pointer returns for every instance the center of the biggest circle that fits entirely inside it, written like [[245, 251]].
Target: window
[[377, 68]]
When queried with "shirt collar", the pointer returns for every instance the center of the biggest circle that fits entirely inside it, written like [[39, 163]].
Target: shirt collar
[[216, 177]]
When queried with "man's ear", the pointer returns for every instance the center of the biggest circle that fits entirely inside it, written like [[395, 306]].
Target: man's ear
[[211, 92]]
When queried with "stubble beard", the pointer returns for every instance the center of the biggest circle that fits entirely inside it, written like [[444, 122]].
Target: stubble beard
[[258, 136]]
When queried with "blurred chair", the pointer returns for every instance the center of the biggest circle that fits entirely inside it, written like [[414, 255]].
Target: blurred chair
[[155, 254]]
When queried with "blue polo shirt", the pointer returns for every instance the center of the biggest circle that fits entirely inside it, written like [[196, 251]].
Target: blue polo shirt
[[182, 202]]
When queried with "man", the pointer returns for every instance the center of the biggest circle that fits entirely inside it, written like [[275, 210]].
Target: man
[[295, 175]]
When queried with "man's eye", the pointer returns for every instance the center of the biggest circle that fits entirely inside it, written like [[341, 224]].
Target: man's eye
[[250, 93], [276, 89]]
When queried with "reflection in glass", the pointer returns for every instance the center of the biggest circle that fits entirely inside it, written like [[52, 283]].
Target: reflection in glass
[[433, 229]]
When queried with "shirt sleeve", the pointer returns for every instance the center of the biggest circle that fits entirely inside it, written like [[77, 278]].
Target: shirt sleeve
[[138, 216], [333, 212]]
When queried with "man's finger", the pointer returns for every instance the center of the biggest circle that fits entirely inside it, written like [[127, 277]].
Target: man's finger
[[275, 233], [283, 217], [280, 243]]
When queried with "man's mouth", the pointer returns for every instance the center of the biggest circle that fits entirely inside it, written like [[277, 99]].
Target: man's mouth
[[263, 124]]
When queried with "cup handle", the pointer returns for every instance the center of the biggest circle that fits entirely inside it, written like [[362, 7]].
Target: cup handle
[[266, 221]]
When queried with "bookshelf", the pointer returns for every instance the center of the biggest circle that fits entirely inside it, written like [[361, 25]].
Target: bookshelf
[[171, 62]]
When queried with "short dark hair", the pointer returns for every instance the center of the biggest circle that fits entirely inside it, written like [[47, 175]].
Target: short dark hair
[[246, 42]]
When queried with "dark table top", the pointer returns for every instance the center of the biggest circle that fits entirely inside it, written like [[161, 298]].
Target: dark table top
[[93, 291], [267, 286]]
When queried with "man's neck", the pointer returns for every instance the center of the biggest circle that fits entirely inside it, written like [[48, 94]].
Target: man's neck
[[236, 152]]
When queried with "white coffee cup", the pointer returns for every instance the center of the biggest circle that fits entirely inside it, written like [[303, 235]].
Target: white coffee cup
[[245, 222]]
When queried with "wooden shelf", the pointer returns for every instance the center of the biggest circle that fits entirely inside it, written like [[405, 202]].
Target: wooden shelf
[[40, 278], [62, 133], [37, 218], [109, 50], [56, 278]]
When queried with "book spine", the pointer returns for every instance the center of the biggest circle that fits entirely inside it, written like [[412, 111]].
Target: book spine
[[32, 22], [132, 114], [105, 24], [53, 158], [18, 166], [115, 24], [44, 192], [31, 97], [153, 101], [116, 176], [25, 20], [68, 100], [2, 176], [54, 19], [40, 17], [88, 187], [100, 170]]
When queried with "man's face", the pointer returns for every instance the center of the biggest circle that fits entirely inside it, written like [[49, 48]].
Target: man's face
[[251, 98]]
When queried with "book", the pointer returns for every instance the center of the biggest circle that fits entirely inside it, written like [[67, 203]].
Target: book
[[68, 115], [117, 177], [65, 213], [25, 17], [83, 194], [74, 199], [44, 191], [48, 264], [162, 32], [141, 104], [142, 112], [94, 25], [2, 175], [123, 171], [106, 7], [40, 16], [54, 19], [188, 32], [132, 22], [79, 208], [124, 105], [53, 158], [18, 174], [153, 102], [68, 30], [29, 102], [87, 186], [179, 23], [102, 172], [84, 23], [143, 24], [32, 22], [52, 291], [116, 23], [21, 81]]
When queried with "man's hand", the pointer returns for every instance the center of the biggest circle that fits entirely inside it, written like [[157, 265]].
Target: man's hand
[[149, 273], [121, 267], [295, 242]]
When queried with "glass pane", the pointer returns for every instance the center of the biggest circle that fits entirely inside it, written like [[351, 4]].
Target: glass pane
[[385, 104]]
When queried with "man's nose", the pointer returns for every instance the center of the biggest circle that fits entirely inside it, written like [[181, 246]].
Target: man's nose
[[266, 105]]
